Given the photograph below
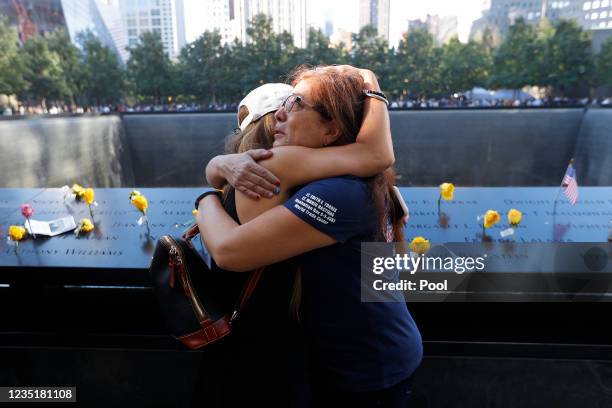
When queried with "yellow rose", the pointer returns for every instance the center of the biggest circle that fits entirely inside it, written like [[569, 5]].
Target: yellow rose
[[514, 216], [78, 190], [447, 190], [134, 194], [89, 195], [17, 232], [141, 203], [491, 218], [419, 245], [86, 225]]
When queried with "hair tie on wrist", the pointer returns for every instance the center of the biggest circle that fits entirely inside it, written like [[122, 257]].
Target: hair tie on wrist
[[376, 95], [218, 193]]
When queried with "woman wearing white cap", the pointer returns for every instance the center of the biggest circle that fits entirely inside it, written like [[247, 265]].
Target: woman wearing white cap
[[354, 345]]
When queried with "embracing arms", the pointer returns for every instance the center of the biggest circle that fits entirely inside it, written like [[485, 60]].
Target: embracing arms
[[371, 154], [242, 171], [259, 242]]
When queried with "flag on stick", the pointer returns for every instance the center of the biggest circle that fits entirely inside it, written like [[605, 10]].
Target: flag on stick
[[569, 184]]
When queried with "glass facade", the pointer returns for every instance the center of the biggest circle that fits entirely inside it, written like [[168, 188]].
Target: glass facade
[[33, 16], [157, 16], [41, 16], [102, 17], [592, 15]]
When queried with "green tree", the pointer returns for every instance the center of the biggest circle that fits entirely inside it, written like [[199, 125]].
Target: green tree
[[287, 55], [319, 51], [464, 66], [417, 64], [270, 56], [517, 61], [11, 65], [43, 70], [238, 68], [604, 64], [103, 78], [201, 67], [490, 39], [372, 52], [569, 58], [59, 43], [149, 69]]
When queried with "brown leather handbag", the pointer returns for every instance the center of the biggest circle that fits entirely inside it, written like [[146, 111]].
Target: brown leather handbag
[[199, 303]]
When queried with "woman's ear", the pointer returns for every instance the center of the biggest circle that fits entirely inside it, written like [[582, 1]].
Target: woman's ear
[[332, 133]]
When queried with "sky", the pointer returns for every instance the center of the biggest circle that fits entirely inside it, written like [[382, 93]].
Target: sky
[[345, 14]]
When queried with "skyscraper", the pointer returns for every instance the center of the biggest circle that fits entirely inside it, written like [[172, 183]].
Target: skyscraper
[[328, 28], [441, 28], [287, 15], [593, 14], [375, 13], [101, 17], [156, 16], [180, 24], [220, 16], [33, 16], [344, 38], [590, 15]]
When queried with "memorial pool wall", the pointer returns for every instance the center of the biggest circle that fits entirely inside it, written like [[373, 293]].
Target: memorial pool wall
[[475, 147]]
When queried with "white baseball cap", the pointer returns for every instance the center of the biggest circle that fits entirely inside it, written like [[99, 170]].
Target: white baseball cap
[[263, 99]]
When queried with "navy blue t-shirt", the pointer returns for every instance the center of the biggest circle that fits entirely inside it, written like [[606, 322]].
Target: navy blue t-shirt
[[358, 346]]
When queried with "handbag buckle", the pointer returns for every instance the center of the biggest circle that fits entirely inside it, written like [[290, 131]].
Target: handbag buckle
[[234, 316]]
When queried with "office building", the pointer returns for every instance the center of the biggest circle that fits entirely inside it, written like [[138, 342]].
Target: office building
[[375, 13], [287, 15], [37, 17], [102, 18], [156, 16], [590, 15], [180, 24], [441, 28]]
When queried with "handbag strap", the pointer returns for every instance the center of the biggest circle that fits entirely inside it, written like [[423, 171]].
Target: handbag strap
[[191, 232], [247, 291], [249, 286]]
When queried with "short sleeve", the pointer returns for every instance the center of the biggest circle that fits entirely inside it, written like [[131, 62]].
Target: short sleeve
[[338, 207]]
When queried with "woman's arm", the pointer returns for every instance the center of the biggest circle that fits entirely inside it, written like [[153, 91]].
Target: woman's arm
[[239, 247], [294, 166], [372, 152]]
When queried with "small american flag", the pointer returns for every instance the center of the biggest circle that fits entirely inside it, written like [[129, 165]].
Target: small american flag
[[570, 185]]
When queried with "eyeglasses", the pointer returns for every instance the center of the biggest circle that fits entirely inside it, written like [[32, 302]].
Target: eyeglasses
[[291, 100]]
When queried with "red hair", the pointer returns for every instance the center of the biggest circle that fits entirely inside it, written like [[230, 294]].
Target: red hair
[[339, 97]]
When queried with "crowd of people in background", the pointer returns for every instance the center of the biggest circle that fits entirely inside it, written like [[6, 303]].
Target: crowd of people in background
[[23, 110], [496, 103], [430, 103]]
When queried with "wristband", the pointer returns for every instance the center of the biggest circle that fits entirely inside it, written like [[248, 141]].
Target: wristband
[[218, 193], [377, 95]]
